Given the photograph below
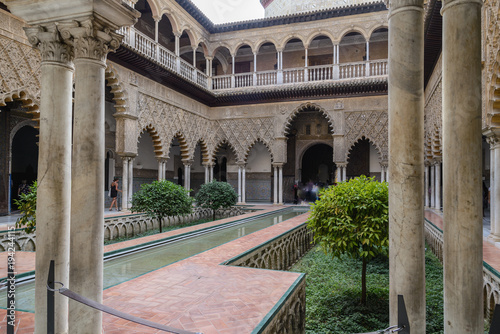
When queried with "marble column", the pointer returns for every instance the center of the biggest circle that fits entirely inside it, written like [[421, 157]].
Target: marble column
[[382, 173], [495, 221], [406, 166], [344, 173], [125, 161], [91, 44], [54, 171], [160, 169], [462, 161], [275, 177], [211, 173], [426, 185], [207, 174], [280, 189], [130, 181], [243, 184], [433, 186], [437, 187], [239, 184], [492, 141]]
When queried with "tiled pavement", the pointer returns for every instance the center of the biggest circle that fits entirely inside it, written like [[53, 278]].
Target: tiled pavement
[[200, 294]]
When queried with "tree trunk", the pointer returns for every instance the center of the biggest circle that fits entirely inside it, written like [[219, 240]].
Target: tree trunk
[[161, 224], [213, 217], [363, 283]]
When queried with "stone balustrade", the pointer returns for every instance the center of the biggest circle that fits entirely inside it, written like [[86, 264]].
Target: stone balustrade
[[122, 226], [147, 47], [491, 277], [281, 253]]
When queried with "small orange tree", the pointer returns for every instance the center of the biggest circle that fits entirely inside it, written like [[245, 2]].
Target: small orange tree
[[353, 218]]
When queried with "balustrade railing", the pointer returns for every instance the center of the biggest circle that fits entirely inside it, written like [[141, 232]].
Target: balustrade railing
[[151, 49], [293, 75], [267, 78]]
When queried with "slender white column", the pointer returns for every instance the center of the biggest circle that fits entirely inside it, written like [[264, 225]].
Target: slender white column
[[156, 30], [207, 174], [164, 170], [495, 223], [367, 50], [211, 173], [243, 183], [54, 173], [462, 161], [239, 184], [232, 65], [433, 186], [338, 54], [125, 182], [255, 61], [130, 181], [344, 173], [493, 205], [426, 185], [275, 185], [177, 45], [438, 186], [280, 190], [382, 174], [406, 165], [306, 57], [207, 64], [194, 56], [160, 167]]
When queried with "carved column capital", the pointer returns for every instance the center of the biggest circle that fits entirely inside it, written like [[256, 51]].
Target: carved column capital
[[48, 40], [91, 39]]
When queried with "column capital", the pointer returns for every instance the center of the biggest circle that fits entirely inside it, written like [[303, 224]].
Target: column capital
[[384, 164], [450, 3], [47, 38], [341, 164], [91, 38], [209, 58], [277, 164], [187, 162], [401, 5]]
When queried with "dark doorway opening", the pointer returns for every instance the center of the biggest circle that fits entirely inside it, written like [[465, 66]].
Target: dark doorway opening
[[24, 159], [318, 166]]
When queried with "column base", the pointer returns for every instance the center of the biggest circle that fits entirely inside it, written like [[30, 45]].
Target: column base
[[494, 239], [241, 203]]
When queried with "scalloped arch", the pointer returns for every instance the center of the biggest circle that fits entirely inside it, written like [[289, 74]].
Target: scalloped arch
[[205, 157], [372, 142], [183, 145], [157, 143], [119, 94], [225, 142], [27, 100], [309, 106], [259, 140]]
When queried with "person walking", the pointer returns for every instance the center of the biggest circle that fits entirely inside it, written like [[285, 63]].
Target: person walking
[[114, 194]]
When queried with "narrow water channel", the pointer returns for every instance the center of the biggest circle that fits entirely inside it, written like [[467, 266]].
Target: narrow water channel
[[124, 268]]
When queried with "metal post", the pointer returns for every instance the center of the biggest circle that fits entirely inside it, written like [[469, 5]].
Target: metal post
[[50, 300]]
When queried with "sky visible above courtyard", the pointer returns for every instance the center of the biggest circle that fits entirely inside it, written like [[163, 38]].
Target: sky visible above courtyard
[[223, 11]]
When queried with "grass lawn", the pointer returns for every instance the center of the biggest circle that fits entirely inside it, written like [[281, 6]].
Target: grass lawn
[[333, 294]]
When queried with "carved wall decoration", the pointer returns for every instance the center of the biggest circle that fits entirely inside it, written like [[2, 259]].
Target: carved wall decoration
[[433, 124], [119, 93], [19, 72], [169, 121], [305, 107], [372, 125], [243, 133], [491, 58]]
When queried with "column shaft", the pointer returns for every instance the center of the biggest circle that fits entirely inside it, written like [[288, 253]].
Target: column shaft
[[426, 186], [124, 183], [382, 174], [433, 186], [492, 190], [495, 221], [406, 166], [130, 181], [160, 166], [344, 173], [462, 148], [87, 195], [438, 186], [243, 187], [239, 184], [280, 190], [275, 185], [54, 189]]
